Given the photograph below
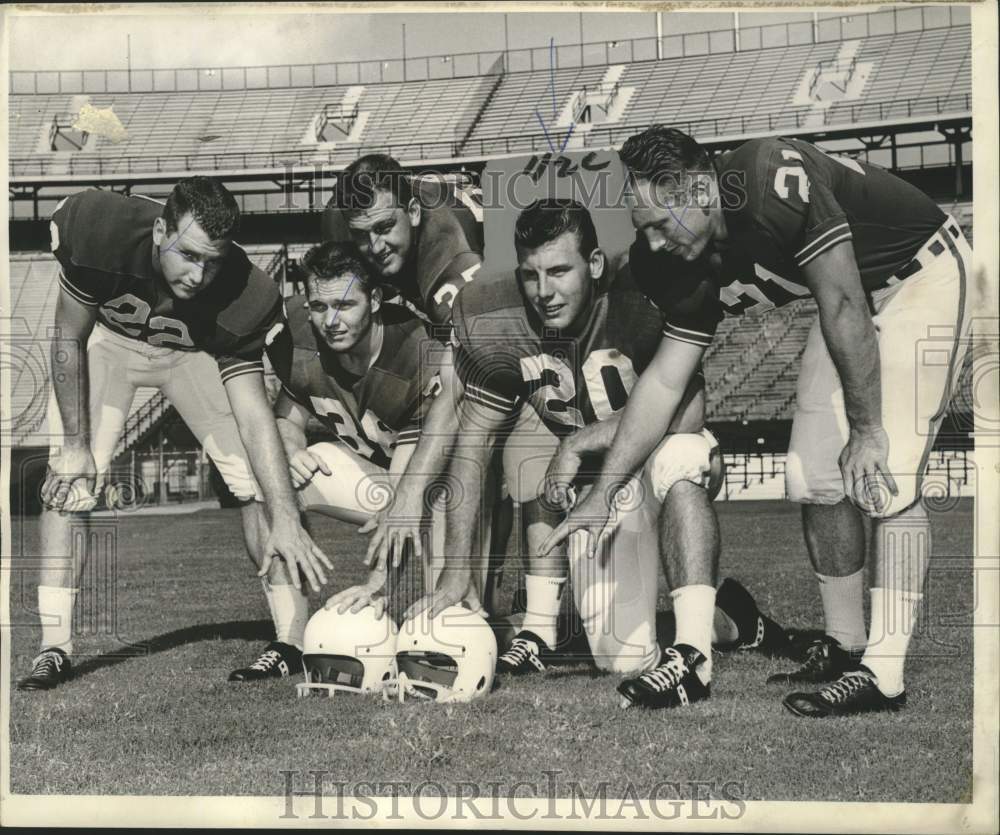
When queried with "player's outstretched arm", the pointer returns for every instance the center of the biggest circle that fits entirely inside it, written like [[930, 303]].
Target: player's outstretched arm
[[647, 417], [74, 463], [478, 430], [850, 337], [287, 539], [402, 520]]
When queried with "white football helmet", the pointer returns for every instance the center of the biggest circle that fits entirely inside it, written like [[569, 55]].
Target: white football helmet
[[352, 653], [451, 658]]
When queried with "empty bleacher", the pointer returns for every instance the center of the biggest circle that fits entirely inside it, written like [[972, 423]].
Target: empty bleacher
[[723, 94]]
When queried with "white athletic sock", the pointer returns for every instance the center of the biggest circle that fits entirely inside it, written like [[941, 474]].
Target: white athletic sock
[[55, 606], [894, 614], [694, 610], [289, 611], [542, 604], [843, 608]]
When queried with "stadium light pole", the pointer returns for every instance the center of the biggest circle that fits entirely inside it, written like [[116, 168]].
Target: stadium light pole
[[404, 52], [659, 36]]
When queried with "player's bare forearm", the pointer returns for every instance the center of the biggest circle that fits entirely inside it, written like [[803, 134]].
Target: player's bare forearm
[[263, 444], [437, 439], [293, 437], [74, 323], [467, 467], [849, 334], [474, 445], [595, 437]]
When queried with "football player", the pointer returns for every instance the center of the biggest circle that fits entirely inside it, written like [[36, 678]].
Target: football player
[[156, 294], [569, 337], [773, 221], [363, 368], [423, 245]]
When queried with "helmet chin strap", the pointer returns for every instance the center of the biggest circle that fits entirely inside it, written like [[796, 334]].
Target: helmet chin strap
[[306, 689], [402, 686]]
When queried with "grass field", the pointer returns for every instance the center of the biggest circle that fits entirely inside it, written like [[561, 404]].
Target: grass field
[[166, 721]]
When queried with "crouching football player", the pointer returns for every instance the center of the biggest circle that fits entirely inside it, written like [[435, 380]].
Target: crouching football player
[[570, 338], [776, 220], [354, 363], [159, 296]]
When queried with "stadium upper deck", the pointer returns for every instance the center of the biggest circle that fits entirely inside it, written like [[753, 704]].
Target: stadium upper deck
[[895, 67]]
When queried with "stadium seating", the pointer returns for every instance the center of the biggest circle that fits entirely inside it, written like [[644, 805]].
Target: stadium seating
[[911, 73]]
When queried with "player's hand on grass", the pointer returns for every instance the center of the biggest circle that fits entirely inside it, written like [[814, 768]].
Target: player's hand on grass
[[864, 465], [358, 597], [558, 486], [303, 465], [454, 587], [590, 522], [71, 480], [289, 541], [393, 527]]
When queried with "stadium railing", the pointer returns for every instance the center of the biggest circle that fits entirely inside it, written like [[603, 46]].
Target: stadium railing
[[461, 64], [438, 150]]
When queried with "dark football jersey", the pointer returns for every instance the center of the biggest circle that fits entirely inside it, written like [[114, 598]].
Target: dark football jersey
[[372, 414], [446, 256], [104, 244], [785, 203], [506, 355]]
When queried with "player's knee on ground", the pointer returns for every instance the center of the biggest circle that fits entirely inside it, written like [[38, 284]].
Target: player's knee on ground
[[686, 457]]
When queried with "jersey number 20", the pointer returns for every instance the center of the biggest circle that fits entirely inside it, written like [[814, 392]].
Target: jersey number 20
[[609, 376]]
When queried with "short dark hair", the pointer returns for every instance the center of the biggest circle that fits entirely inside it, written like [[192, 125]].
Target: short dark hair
[[334, 260], [357, 185], [209, 202], [545, 220], [660, 153]]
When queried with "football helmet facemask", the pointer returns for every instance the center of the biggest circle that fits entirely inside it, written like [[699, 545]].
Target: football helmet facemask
[[450, 658], [351, 653]]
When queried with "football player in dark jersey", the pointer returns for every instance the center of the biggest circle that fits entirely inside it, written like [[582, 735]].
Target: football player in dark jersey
[[158, 295], [569, 337], [767, 223], [427, 249]]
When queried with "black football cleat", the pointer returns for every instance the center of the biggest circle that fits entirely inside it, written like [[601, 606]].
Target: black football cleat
[[853, 693], [527, 654], [278, 660], [825, 660], [50, 668], [674, 683], [756, 630]]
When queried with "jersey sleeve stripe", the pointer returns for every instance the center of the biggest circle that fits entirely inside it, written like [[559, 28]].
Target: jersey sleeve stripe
[[686, 335], [821, 240], [846, 236], [238, 369], [407, 436], [490, 399], [76, 292]]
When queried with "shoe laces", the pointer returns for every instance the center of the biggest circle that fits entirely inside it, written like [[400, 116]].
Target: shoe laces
[[45, 662], [668, 674], [266, 661], [845, 686], [522, 650], [816, 656], [759, 638]]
